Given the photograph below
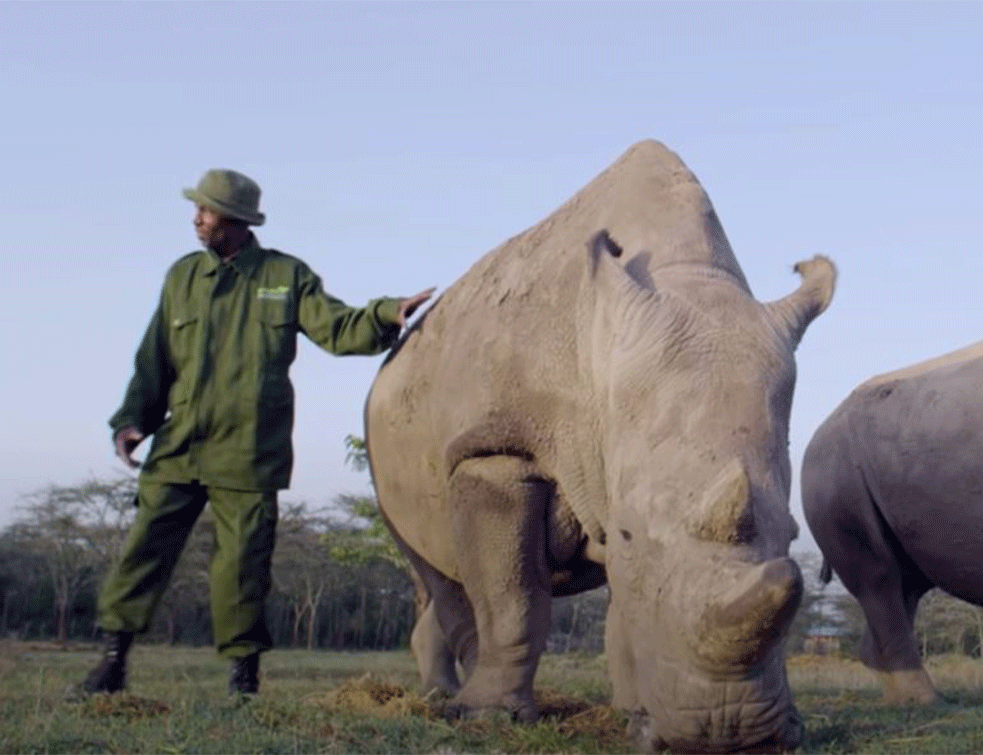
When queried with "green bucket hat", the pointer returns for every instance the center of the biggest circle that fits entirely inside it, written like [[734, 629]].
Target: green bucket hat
[[228, 193]]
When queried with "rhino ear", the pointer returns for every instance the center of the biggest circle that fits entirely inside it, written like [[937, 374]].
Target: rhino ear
[[612, 278], [794, 313], [601, 244], [622, 307]]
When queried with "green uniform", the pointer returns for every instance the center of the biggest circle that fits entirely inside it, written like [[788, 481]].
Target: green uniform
[[211, 380], [211, 385]]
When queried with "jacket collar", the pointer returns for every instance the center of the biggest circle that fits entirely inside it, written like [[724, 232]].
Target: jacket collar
[[244, 263]]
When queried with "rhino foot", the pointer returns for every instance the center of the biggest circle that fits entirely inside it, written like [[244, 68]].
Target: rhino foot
[[912, 687], [640, 731]]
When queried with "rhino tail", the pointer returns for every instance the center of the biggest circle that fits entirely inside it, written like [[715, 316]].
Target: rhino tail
[[825, 573]]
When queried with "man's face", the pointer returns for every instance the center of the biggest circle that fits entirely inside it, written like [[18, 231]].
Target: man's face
[[210, 227]]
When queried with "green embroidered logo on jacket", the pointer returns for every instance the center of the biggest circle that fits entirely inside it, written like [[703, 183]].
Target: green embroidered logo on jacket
[[276, 293]]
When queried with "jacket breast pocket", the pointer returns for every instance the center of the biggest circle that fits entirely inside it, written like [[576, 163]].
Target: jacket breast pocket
[[183, 338], [277, 333]]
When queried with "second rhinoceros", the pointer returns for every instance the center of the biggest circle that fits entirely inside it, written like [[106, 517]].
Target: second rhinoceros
[[602, 398], [892, 486]]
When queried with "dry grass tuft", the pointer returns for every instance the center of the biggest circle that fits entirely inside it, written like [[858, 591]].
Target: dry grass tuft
[[366, 695], [571, 715], [601, 721], [124, 705], [555, 705]]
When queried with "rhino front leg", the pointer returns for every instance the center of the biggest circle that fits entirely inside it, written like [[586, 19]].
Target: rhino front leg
[[497, 506]]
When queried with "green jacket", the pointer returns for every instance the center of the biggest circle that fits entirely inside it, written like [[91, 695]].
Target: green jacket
[[211, 377]]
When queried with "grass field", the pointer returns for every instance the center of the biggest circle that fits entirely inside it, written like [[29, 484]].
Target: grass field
[[325, 702]]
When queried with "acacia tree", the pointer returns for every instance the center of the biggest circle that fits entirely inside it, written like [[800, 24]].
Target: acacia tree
[[303, 571], [75, 532], [21, 573]]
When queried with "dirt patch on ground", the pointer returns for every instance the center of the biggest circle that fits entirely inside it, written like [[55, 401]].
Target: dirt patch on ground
[[571, 715]]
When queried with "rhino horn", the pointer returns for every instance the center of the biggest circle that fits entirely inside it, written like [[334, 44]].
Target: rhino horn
[[725, 514], [794, 312], [737, 629]]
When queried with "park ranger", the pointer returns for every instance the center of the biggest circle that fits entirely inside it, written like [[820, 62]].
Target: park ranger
[[211, 386]]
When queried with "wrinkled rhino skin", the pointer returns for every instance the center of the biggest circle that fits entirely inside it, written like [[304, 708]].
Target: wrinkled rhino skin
[[602, 398], [892, 484]]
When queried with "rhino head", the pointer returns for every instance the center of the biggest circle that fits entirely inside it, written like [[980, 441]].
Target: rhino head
[[696, 378]]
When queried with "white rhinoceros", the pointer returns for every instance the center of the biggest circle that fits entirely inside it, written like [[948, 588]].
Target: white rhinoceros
[[567, 413], [892, 486]]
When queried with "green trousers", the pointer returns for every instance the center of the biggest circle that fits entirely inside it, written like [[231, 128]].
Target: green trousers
[[245, 534]]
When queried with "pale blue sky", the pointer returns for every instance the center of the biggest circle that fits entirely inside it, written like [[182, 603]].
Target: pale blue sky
[[398, 142]]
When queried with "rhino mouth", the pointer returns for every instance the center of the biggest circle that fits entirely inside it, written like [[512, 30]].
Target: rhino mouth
[[710, 733], [720, 716]]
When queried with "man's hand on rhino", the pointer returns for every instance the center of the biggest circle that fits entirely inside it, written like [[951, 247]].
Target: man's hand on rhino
[[409, 305], [126, 440]]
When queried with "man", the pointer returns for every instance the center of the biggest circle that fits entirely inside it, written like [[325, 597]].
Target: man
[[211, 385]]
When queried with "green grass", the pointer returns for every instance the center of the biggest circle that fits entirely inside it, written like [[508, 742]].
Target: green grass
[[177, 704]]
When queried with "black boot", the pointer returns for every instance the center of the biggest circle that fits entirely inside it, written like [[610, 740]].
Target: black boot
[[244, 677], [110, 674]]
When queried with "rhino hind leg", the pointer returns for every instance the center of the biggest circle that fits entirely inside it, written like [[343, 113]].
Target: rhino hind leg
[[497, 507], [902, 675], [872, 564], [888, 587], [444, 638], [435, 659]]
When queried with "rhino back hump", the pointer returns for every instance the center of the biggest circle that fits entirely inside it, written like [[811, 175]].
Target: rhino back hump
[[503, 335], [493, 364], [919, 438]]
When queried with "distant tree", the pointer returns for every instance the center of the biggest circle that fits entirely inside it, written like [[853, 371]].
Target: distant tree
[[972, 637], [75, 532], [817, 612], [365, 535], [21, 574], [368, 537], [303, 568], [826, 608], [358, 453], [946, 624]]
